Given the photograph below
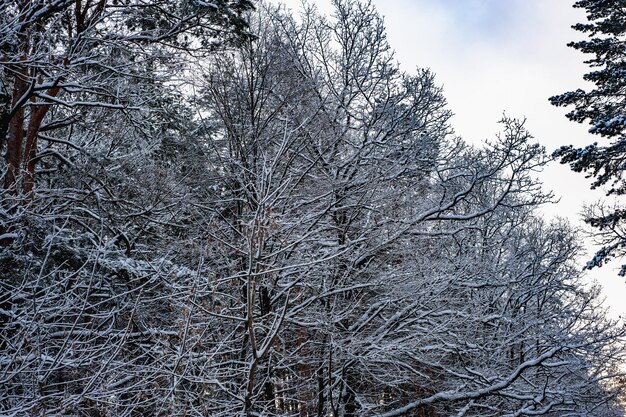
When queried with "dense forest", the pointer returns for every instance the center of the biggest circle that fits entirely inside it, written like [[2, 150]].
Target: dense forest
[[229, 209]]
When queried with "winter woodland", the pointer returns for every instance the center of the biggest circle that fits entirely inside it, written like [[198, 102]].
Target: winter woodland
[[226, 209]]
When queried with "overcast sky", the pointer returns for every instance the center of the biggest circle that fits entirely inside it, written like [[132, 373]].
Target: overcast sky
[[495, 56]]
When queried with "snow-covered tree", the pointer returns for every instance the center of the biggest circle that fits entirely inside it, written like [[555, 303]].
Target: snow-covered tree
[[344, 194], [62, 58], [604, 108]]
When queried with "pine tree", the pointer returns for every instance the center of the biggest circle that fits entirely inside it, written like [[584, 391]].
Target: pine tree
[[604, 108]]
